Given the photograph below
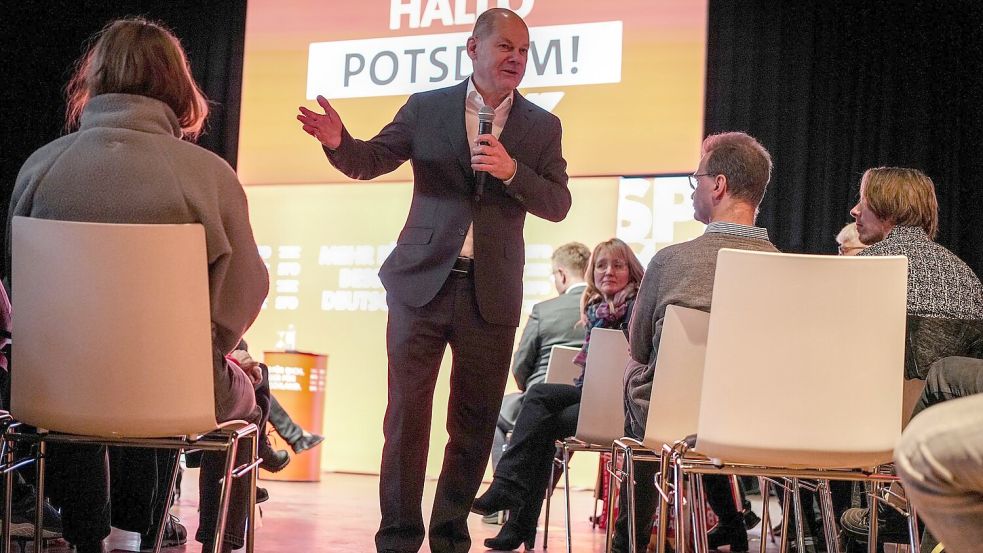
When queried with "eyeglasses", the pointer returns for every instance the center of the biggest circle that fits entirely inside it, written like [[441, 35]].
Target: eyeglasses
[[693, 183], [617, 265], [843, 249]]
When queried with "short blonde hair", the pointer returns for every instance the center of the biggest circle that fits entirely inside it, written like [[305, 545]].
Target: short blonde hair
[[902, 196], [137, 56], [743, 160], [572, 256]]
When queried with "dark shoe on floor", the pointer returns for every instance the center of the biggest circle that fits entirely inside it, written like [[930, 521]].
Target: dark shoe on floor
[[751, 519], [892, 526], [510, 537], [262, 496], [90, 547], [734, 536], [306, 441], [175, 534], [497, 498], [274, 461], [206, 547]]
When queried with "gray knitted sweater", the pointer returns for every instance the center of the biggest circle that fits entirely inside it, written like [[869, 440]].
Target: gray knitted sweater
[[681, 274], [128, 164]]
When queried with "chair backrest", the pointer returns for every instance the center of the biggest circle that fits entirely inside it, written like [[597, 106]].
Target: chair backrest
[[112, 328], [601, 419], [805, 360], [674, 408], [561, 368]]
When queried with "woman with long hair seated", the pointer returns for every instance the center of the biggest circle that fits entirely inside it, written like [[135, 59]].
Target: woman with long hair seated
[[131, 104], [549, 411]]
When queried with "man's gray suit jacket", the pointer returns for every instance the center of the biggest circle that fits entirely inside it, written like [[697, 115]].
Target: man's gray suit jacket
[[553, 322]]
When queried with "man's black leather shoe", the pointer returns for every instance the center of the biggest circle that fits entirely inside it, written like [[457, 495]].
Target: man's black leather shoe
[[733, 535]]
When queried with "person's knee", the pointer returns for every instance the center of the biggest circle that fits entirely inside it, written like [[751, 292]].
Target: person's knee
[[962, 373], [537, 393]]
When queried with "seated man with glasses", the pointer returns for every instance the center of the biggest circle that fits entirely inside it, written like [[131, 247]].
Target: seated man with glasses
[[728, 187]]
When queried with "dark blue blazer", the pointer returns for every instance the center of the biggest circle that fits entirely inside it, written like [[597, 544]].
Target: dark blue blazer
[[430, 131]]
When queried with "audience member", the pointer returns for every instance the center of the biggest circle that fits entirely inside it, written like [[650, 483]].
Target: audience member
[[848, 241], [550, 411], [22, 492], [728, 186], [897, 214], [132, 100], [938, 456], [551, 323]]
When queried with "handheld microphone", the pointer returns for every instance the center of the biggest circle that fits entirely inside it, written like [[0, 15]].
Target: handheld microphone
[[486, 116]]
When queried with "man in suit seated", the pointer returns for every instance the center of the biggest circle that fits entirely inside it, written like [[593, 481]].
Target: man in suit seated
[[551, 323]]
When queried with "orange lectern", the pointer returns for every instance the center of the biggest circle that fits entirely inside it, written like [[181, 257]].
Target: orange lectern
[[297, 380]]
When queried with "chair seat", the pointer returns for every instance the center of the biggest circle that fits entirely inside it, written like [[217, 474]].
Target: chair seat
[[795, 458]]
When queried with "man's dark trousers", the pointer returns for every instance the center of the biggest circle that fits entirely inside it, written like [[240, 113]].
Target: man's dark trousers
[[416, 340]]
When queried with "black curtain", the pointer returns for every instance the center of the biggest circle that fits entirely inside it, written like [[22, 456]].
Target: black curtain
[[831, 88], [41, 41], [834, 88]]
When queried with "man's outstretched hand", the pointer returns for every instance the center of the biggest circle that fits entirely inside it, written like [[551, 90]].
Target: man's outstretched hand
[[325, 127]]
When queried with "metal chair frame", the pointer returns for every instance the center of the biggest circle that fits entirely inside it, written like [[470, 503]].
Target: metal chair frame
[[598, 394], [684, 461], [564, 449], [225, 438]]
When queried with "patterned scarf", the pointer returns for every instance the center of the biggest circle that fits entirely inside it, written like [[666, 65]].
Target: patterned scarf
[[602, 314]]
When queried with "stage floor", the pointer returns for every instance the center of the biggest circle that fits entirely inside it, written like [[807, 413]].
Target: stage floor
[[340, 514]]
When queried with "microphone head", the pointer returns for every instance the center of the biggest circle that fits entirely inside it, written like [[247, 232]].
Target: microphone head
[[486, 114]]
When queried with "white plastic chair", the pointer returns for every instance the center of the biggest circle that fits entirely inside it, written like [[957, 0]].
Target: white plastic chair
[[93, 303], [827, 335], [601, 418], [673, 409], [561, 369]]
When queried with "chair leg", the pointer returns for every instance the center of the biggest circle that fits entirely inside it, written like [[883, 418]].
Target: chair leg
[[829, 517], [916, 545], [872, 531], [630, 497], [549, 496], [679, 503], [799, 519], [613, 481], [765, 519], [786, 508], [663, 534], [226, 493], [251, 528], [159, 539], [699, 514], [7, 495], [39, 500], [566, 495]]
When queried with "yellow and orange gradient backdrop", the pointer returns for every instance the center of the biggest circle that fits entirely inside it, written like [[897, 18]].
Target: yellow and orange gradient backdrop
[[324, 236]]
